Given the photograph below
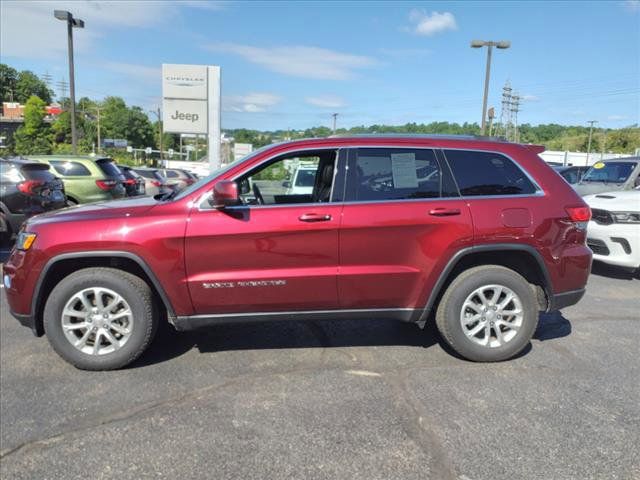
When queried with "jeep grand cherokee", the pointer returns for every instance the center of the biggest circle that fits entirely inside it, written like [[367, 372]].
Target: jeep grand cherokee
[[477, 235]]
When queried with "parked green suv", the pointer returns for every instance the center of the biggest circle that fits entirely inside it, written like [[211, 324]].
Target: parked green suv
[[86, 179]]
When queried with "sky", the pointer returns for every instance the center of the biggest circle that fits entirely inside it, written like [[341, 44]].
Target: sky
[[290, 65]]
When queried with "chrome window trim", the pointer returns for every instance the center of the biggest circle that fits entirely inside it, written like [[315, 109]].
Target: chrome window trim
[[204, 198], [538, 193]]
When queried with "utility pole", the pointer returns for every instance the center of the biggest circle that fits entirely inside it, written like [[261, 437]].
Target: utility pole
[[158, 113], [492, 115], [591, 122], [489, 44], [335, 117], [71, 24], [99, 139]]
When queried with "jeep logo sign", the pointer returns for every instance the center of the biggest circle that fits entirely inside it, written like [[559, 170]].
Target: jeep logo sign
[[191, 104], [184, 116]]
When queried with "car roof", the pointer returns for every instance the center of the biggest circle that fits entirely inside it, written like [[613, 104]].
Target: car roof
[[68, 157], [19, 161], [620, 159]]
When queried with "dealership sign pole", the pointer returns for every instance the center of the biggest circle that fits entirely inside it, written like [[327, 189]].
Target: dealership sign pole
[[191, 104]]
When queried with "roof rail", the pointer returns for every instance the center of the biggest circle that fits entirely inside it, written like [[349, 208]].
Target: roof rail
[[421, 135]]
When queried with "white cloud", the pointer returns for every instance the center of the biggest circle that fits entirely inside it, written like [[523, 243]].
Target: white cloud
[[250, 103], [632, 5], [615, 118], [29, 30], [427, 24], [300, 61], [527, 97], [326, 101]]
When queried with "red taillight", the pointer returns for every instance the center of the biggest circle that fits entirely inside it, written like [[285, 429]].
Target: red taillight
[[130, 181], [29, 185], [106, 184], [190, 181], [579, 214], [156, 183]]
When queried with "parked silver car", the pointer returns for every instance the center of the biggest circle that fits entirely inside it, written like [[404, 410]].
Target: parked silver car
[[155, 182]]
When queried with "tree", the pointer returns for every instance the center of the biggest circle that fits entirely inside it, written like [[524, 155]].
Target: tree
[[28, 84], [34, 136], [8, 78]]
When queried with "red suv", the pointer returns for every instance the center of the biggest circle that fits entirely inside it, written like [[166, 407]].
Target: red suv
[[479, 235]]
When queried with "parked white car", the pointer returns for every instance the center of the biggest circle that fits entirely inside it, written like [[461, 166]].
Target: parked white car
[[614, 230], [302, 180]]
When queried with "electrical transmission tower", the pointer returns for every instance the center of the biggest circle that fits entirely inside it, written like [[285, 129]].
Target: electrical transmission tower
[[505, 112], [63, 89], [515, 108], [47, 78]]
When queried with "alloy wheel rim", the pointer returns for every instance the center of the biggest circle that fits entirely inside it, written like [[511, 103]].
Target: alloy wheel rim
[[97, 321], [492, 315]]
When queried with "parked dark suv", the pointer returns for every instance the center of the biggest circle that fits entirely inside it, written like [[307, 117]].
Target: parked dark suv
[[474, 234], [133, 182], [26, 189]]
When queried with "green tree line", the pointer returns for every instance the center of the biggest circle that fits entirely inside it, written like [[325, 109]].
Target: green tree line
[[118, 120]]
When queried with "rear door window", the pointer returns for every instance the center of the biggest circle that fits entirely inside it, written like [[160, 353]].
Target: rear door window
[[70, 169], [37, 171], [109, 168], [398, 174], [487, 174]]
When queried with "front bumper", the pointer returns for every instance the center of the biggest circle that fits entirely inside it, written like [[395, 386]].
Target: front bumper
[[616, 244]]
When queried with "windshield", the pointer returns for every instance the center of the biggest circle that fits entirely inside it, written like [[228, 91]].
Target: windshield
[[204, 180], [611, 172]]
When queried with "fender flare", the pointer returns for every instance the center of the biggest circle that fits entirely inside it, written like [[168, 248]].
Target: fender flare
[[36, 301], [460, 254]]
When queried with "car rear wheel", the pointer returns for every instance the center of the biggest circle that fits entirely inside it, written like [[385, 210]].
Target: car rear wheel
[[488, 314], [100, 318]]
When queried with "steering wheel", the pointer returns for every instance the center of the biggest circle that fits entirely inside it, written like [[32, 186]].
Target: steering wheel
[[257, 194]]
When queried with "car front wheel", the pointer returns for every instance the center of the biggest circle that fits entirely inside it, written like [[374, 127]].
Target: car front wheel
[[488, 314], [100, 318]]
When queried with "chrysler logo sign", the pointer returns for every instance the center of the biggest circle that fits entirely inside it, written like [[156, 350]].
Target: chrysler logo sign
[[184, 81]]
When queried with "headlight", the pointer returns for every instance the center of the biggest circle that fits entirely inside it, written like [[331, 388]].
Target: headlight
[[626, 217], [25, 240]]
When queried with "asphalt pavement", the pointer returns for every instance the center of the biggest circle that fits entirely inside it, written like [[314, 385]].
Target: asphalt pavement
[[338, 400]]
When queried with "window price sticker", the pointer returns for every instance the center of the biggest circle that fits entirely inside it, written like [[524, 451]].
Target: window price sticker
[[403, 168]]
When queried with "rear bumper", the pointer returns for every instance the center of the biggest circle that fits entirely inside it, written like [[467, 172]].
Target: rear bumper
[[565, 299]]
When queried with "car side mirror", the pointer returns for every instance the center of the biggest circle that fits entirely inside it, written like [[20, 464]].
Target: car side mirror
[[225, 194], [286, 184]]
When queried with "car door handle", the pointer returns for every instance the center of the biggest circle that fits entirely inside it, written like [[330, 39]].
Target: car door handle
[[444, 212], [314, 217]]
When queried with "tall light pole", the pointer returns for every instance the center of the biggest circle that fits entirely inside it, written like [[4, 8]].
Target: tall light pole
[[335, 118], [591, 122], [71, 24], [489, 44]]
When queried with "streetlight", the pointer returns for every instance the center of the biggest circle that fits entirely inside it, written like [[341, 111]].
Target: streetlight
[[489, 44], [71, 24]]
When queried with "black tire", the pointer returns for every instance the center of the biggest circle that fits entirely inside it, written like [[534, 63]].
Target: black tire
[[71, 202], [131, 288], [450, 308]]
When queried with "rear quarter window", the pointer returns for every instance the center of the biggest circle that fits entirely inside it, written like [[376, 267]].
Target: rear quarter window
[[109, 168], [68, 168], [37, 172], [487, 173]]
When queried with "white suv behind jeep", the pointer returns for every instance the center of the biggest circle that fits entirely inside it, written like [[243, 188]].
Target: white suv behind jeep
[[614, 230]]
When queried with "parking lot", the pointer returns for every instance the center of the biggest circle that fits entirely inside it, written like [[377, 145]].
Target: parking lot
[[335, 400]]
